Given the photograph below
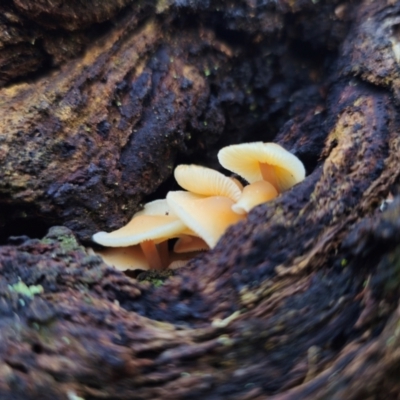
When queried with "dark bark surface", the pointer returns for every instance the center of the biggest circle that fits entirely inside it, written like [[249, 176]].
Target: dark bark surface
[[102, 131], [100, 101]]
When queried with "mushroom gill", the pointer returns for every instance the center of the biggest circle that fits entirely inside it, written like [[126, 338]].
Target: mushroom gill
[[206, 181]]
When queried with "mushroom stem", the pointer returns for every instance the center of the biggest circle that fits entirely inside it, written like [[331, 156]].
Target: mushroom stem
[[151, 253], [268, 174], [163, 252]]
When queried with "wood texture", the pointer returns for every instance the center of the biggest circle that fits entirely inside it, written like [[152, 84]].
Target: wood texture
[[300, 300]]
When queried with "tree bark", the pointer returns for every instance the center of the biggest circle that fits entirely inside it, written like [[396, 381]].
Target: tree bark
[[100, 101]]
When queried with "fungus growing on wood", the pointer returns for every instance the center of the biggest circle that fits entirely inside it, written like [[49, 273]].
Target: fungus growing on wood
[[213, 203], [180, 259], [237, 183], [263, 161], [206, 181], [254, 194], [189, 243], [208, 217], [177, 264], [124, 258], [154, 224]]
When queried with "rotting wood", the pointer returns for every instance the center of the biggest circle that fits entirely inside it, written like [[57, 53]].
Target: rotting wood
[[104, 130], [300, 300]]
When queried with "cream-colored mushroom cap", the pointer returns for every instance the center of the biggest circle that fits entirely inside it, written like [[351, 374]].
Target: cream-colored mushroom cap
[[208, 217], [188, 243], [160, 208], [156, 207], [123, 258], [141, 228], [254, 194], [263, 161], [155, 222], [206, 181], [177, 264]]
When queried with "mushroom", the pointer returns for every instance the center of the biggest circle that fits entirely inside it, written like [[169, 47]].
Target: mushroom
[[156, 207], [207, 216], [177, 264], [254, 194], [180, 259], [263, 161], [237, 183], [189, 243], [123, 258], [206, 181], [154, 224]]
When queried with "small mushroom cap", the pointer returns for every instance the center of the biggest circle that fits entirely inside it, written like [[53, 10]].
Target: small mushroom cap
[[181, 259], [156, 207], [161, 207], [255, 161], [154, 222], [208, 217], [206, 181], [141, 228], [187, 244], [123, 258], [254, 194]]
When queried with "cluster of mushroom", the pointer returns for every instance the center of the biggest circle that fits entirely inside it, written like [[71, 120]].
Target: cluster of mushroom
[[199, 216]]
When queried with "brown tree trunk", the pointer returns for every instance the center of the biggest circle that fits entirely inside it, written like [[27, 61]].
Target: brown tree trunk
[[100, 100]]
